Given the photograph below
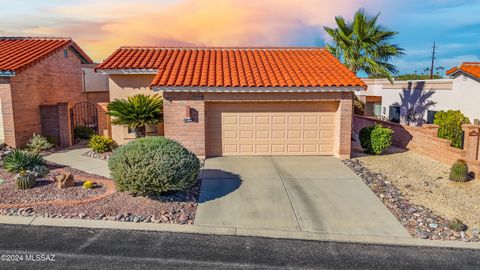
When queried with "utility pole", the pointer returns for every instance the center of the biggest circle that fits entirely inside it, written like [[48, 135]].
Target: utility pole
[[433, 61]]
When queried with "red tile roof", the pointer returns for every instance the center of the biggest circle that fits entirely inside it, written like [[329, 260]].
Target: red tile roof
[[18, 53], [471, 68], [236, 67]]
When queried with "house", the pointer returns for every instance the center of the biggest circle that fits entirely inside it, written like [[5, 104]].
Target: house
[[38, 71], [416, 102], [242, 101]]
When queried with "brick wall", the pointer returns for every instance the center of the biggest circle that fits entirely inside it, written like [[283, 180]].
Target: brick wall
[[49, 121], [192, 134], [424, 140], [7, 110], [104, 126], [344, 126], [54, 80]]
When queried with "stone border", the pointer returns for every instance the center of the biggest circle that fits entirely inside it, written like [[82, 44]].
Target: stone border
[[109, 190]]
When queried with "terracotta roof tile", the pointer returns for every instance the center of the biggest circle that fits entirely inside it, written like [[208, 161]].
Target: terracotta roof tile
[[236, 67], [471, 68], [18, 53]]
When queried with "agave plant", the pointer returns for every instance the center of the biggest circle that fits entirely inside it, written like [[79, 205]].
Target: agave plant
[[20, 161], [137, 112], [363, 45]]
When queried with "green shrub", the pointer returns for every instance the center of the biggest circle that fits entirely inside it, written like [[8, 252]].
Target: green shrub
[[83, 132], [21, 161], [38, 143], [375, 139], [457, 225], [459, 171], [153, 165], [101, 144], [450, 126]]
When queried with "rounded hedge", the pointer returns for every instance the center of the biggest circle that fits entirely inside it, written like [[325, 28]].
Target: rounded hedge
[[153, 165], [375, 139]]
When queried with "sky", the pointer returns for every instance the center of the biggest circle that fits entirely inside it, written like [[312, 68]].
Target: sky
[[101, 26]]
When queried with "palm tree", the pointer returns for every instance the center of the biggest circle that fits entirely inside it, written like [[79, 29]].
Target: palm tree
[[363, 46], [137, 112]]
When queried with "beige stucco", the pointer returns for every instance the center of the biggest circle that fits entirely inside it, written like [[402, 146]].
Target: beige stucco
[[270, 128], [123, 86]]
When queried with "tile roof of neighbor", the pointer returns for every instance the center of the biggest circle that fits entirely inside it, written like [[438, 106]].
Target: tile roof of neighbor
[[18, 53], [472, 68], [236, 67]]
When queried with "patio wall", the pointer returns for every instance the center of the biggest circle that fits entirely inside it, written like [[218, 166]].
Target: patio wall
[[424, 140]]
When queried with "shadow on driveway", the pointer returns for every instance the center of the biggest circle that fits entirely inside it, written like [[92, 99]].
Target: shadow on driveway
[[217, 184]]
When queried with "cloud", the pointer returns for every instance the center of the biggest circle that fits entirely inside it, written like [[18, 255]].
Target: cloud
[[102, 26]]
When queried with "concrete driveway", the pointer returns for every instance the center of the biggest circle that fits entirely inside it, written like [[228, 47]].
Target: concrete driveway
[[312, 194]]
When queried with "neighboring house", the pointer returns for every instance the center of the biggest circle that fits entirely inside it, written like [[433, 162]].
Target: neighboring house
[[243, 101], [416, 102], [34, 72]]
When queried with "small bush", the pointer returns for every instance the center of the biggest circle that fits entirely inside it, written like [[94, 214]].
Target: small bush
[[25, 181], [101, 144], [38, 143], [375, 139], [83, 132], [450, 126], [20, 161], [153, 165], [457, 225], [88, 185], [459, 171]]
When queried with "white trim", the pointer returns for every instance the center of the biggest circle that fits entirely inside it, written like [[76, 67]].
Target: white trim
[[128, 71], [257, 89]]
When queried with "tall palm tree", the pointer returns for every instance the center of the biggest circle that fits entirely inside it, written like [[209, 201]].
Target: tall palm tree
[[137, 112], [363, 45]]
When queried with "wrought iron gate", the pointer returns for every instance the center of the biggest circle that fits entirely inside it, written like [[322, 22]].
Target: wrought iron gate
[[84, 114]]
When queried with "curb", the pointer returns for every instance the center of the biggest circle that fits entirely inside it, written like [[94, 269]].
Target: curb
[[234, 231]]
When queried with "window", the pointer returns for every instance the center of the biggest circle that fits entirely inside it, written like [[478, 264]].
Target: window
[[65, 53], [377, 109], [394, 114], [431, 116]]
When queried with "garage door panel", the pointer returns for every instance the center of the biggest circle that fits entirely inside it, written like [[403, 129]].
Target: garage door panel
[[302, 128]]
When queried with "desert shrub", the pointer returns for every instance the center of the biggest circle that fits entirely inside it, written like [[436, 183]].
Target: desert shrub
[[153, 165], [457, 225], [83, 132], [450, 126], [375, 139], [459, 171], [38, 143], [101, 144], [21, 161]]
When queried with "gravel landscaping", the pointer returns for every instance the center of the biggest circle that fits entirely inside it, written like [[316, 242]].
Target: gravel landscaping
[[102, 156], [417, 191], [178, 207]]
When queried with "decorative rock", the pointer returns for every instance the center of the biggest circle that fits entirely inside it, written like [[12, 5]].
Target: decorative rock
[[476, 230], [433, 225], [82, 215], [422, 235], [462, 234], [474, 239], [136, 219], [65, 180], [183, 218]]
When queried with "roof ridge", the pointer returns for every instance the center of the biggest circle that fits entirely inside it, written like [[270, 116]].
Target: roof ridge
[[35, 38], [225, 48]]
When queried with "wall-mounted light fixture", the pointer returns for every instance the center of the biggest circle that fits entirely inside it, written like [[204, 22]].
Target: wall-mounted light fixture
[[188, 115]]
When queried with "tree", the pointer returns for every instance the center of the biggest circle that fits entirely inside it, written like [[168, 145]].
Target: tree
[[363, 45], [137, 112]]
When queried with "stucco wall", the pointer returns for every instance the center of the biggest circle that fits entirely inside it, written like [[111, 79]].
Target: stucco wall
[[123, 86], [461, 93]]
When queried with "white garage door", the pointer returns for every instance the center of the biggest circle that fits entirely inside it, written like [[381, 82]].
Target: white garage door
[[277, 128]]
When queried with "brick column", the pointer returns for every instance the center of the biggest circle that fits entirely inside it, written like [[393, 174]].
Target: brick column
[[344, 126], [64, 125], [104, 126], [471, 141]]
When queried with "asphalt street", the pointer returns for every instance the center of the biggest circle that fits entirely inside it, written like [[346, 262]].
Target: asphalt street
[[34, 247]]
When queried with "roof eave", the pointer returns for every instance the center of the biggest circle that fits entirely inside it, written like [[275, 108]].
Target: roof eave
[[127, 71]]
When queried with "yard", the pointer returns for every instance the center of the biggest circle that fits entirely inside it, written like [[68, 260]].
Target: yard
[[424, 182]]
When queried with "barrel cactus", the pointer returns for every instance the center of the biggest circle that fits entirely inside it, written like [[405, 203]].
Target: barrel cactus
[[459, 171], [26, 181]]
